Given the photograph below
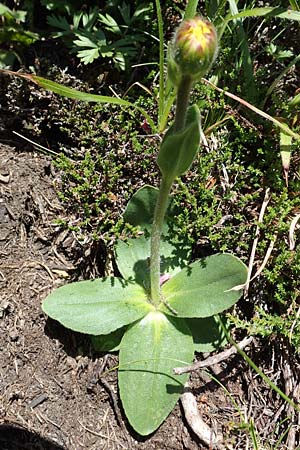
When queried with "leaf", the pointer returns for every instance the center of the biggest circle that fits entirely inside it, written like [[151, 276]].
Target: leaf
[[191, 9], [65, 91], [178, 149], [207, 333], [141, 12], [248, 72], [108, 342], [133, 255], [16, 14], [6, 58], [88, 56], [4, 10], [59, 22], [125, 13], [140, 208], [205, 288], [133, 258], [295, 101], [149, 351], [110, 23], [85, 41], [279, 12], [282, 54], [75, 94], [97, 306], [162, 93]]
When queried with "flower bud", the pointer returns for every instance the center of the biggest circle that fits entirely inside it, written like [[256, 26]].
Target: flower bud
[[193, 49]]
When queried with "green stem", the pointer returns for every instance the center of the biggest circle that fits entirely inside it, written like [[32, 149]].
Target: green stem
[[182, 102], [158, 220], [183, 95]]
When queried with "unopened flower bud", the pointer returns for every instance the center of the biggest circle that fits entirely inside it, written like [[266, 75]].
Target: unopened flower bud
[[193, 49]]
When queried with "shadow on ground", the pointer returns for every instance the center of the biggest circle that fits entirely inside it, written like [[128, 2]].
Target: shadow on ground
[[14, 437]]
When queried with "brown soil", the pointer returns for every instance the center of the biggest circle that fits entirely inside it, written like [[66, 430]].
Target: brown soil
[[50, 394]]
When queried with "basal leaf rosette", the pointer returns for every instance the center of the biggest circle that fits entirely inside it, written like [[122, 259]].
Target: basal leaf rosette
[[193, 49]]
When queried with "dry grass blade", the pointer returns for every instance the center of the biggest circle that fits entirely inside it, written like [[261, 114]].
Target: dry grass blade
[[294, 223], [258, 111], [255, 242]]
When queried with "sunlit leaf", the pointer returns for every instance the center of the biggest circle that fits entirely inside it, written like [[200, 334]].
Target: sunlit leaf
[[205, 288], [97, 306], [148, 353]]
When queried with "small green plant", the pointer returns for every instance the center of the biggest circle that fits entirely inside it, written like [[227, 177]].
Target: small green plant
[[91, 35], [163, 307], [13, 35]]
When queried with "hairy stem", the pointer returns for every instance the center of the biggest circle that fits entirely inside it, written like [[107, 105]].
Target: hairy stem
[[182, 102], [159, 214], [183, 95]]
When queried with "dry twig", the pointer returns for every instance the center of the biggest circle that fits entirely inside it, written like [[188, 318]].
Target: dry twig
[[212, 360], [255, 242], [197, 424]]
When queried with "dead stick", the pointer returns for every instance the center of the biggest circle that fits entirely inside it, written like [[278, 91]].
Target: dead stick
[[255, 242], [212, 360], [197, 424]]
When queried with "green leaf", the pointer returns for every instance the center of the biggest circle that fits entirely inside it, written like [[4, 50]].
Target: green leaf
[[133, 258], [97, 306], [4, 9], [110, 23], [6, 58], [248, 72], [295, 101], [178, 150], [191, 9], [16, 14], [161, 99], [108, 342], [75, 94], [149, 350], [85, 41], [140, 208], [86, 96], [207, 332], [205, 288], [65, 91], [59, 22], [87, 56], [279, 12]]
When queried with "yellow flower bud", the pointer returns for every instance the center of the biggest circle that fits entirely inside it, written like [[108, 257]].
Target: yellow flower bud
[[193, 49]]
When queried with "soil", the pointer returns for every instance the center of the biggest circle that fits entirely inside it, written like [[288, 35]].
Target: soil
[[51, 395]]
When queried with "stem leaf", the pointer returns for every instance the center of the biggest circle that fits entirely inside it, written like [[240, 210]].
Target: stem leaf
[[178, 149]]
